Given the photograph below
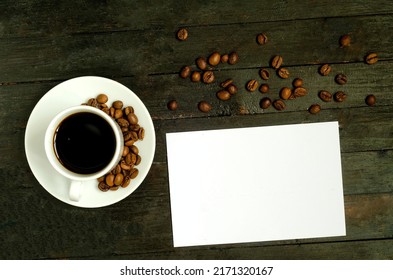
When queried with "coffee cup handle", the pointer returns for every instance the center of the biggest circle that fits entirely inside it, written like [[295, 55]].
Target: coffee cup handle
[[75, 190]]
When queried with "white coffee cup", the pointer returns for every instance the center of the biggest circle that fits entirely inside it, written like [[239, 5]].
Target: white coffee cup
[[77, 180]]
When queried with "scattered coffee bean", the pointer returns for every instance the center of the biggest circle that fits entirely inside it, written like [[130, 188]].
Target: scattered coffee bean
[[325, 96], [279, 105], [264, 73], [223, 95], [201, 63], [276, 61], [345, 41], [262, 39], [233, 58], [172, 105], [226, 83], [214, 59], [102, 98], [252, 85], [204, 106], [314, 109], [232, 89], [340, 96], [371, 58], [265, 103], [182, 34], [325, 69], [285, 93], [195, 76], [208, 77], [283, 73], [297, 82], [117, 104], [185, 72], [264, 88], [224, 58], [299, 92], [370, 100], [341, 79]]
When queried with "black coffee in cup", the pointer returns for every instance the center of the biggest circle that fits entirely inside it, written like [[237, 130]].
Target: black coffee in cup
[[84, 143]]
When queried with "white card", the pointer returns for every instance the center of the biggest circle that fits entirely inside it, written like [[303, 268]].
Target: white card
[[255, 184]]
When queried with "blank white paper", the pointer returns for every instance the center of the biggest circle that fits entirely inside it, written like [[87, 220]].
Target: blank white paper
[[255, 184]]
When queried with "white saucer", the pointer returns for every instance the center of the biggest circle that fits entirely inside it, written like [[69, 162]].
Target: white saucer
[[75, 92]]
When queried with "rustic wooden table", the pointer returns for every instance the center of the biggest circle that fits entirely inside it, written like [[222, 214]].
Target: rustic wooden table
[[43, 43]]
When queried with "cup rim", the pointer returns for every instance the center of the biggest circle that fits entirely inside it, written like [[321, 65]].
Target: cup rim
[[51, 154]]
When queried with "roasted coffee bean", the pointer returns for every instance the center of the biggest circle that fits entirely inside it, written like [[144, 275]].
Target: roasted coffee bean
[[224, 58], [110, 180], [265, 103], [172, 105], [264, 73], [262, 39], [340, 96], [129, 142], [226, 83], [134, 149], [128, 109], [102, 98], [103, 187], [299, 92], [252, 85], [214, 59], [126, 182], [279, 105], [233, 58], [283, 73], [134, 172], [341, 79], [201, 63], [297, 82], [223, 95], [285, 93], [208, 77], [204, 106], [123, 122], [325, 96], [135, 127], [185, 72], [118, 104], [182, 34], [345, 41], [118, 114], [325, 69], [126, 151], [195, 76], [277, 61], [118, 179], [314, 109], [232, 89], [117, 169], [114, 188], [106, 110], [138, 159], [112, 112], [264, 88], [92, 102], [370, 100], [141, 133], [371, 58]]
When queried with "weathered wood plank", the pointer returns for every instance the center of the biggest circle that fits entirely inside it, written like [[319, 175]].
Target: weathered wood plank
[[32, 18], [142, 52], [141, 225]]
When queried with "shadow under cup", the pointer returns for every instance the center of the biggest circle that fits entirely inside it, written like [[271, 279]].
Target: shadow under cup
[[85, 143]]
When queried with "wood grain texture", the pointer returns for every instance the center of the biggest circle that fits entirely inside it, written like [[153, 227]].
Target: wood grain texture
[[43, 43]]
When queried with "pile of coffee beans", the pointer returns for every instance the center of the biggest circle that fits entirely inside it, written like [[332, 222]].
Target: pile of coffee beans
[[125, 116]]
